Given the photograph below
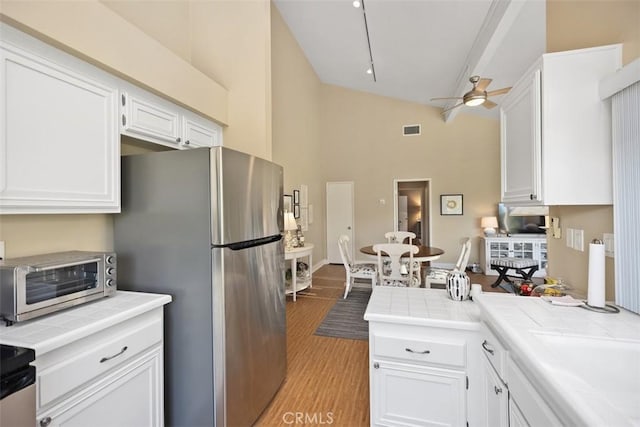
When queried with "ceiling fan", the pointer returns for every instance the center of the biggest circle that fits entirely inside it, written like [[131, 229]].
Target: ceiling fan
[[478, 95]]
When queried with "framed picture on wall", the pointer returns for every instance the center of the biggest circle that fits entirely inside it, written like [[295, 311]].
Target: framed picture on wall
[[296, 211], [451, 204], [296, 197]]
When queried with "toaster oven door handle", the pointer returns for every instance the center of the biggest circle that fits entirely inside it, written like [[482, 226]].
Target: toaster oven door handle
[[68, 264], [106, 359]]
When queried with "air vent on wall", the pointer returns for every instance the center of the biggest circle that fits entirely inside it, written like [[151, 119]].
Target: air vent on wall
[[409, 130]]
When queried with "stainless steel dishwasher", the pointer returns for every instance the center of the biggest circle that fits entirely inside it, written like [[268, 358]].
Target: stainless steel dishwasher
[[17, 387]]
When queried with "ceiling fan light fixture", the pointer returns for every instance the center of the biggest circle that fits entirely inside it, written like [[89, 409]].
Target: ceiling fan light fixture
[[369, 70], [356, 4], [474, 98]]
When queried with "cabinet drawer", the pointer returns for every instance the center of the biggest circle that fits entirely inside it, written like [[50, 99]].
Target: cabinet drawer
[[93, 360], [493, 350], [417, 350]]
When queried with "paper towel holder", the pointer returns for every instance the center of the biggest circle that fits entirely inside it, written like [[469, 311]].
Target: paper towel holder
[[608, 308]]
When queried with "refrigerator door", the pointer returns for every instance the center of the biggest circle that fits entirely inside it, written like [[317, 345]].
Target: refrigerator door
[[246, 197], [249, 290]]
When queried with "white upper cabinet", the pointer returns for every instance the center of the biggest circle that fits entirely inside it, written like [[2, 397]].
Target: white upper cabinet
[[150, 118], [556, 132], [59, 145]]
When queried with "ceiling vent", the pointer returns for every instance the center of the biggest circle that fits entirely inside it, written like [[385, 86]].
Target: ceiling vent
[[409, 130]]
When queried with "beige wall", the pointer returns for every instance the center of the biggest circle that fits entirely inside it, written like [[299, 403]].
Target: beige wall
[[297, 126], [574, 25], [362, 142]]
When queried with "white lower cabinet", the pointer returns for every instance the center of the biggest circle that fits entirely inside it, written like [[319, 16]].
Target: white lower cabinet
[[423, 375], [415, 395], [113, 377], [126, 397], [495, 398]]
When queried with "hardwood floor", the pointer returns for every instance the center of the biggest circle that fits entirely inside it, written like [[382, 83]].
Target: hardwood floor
[[327, 378]]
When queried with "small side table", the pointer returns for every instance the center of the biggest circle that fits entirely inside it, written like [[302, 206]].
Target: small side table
[[293, 255]]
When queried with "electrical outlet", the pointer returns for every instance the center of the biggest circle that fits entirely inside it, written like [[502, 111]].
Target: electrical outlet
[[1, 250], [607, 239], [578, 240], [569, 233]]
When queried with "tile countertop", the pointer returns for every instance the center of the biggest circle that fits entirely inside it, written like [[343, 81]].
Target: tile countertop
[[422, 307], [585, 364], [52, 331]]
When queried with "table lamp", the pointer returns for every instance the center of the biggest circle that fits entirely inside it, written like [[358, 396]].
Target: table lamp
[[289, 226], [489, 223]]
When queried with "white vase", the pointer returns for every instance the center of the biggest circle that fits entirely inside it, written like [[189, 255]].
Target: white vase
[[458, 285]]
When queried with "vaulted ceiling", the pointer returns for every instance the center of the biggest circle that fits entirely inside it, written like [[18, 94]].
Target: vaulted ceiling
[[421, 49]]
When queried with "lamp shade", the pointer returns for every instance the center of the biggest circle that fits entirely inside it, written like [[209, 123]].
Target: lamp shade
[[290, 221], [489, 222]]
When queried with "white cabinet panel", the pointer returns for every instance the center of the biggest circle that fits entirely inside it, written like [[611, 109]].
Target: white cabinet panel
[[495, 398], [556, 132], [417, 396], [144, 118], [197, 134], [59, 149]]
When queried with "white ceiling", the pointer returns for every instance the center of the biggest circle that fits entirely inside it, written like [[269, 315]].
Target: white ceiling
[[421, 48]]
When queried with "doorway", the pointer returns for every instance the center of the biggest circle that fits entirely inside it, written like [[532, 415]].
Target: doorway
[[339, 217], [412, 207]]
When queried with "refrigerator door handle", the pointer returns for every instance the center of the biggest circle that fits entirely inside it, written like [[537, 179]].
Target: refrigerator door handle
[[249, 243]]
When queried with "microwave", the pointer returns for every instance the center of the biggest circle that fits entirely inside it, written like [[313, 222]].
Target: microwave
[[38, 285]]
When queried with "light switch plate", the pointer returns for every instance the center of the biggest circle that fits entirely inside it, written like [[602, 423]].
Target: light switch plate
[[578, 240], [607, 239], [1, 250], [569, 234]]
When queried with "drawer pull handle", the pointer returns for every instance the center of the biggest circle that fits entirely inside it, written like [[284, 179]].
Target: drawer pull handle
[[487, 349], [497, 389], [417, 352], [45, 421], [105, 359]]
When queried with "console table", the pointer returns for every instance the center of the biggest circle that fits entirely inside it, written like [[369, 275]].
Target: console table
[[294, 254]]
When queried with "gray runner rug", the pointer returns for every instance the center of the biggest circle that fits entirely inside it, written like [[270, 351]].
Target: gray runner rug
[[345, 319]]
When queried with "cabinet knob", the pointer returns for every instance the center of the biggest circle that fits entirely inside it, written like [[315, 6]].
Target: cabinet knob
[[45, 421], [532, 196], [186, 142], [124, 100], [124, 120], [497, 389], [376, 365], [178, 139]]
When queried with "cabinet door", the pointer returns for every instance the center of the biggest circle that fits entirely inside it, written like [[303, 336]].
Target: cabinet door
[[59, 145], [411, 395], [495, 397], [148, 119], [198, 134], [520, 130], [129, 397]]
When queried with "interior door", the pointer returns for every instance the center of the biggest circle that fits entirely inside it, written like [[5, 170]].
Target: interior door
[[403, 213], [339, 217]]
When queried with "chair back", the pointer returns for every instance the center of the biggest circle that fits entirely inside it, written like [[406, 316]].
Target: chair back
[[345, 251], [399, 236], [395, 251], [463, 259]]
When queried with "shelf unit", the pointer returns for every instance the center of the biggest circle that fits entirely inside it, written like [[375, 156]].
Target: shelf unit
[[514, 247]]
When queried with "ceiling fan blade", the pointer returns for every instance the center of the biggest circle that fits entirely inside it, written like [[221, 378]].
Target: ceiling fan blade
[[489, 104], [499, 91], [482, 84], [455, 106], [437, 99]]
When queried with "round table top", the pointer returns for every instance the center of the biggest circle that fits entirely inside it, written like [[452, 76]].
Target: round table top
[[426, 252]]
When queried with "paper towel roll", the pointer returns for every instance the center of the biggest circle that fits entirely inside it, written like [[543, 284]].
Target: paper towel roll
[[596, 285]]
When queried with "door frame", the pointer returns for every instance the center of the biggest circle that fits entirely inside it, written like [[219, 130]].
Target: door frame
[[396, 181], [352, 219]]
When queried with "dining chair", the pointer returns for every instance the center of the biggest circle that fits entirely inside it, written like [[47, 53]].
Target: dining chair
[[439, 275], [397, 272], [355, 269], [399, 236]]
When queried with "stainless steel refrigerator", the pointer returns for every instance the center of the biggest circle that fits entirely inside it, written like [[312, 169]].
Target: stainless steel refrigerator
[[204, 226]]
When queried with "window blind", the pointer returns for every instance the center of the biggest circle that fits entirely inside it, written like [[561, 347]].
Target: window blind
[[626, 195]]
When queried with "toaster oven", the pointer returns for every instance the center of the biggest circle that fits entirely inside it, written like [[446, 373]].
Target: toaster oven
[[38, 285]]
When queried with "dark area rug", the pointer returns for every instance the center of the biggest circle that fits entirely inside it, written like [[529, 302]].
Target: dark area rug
[[345, 319]]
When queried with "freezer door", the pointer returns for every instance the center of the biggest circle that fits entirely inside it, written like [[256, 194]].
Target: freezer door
[[246, 197], [249, 284]]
